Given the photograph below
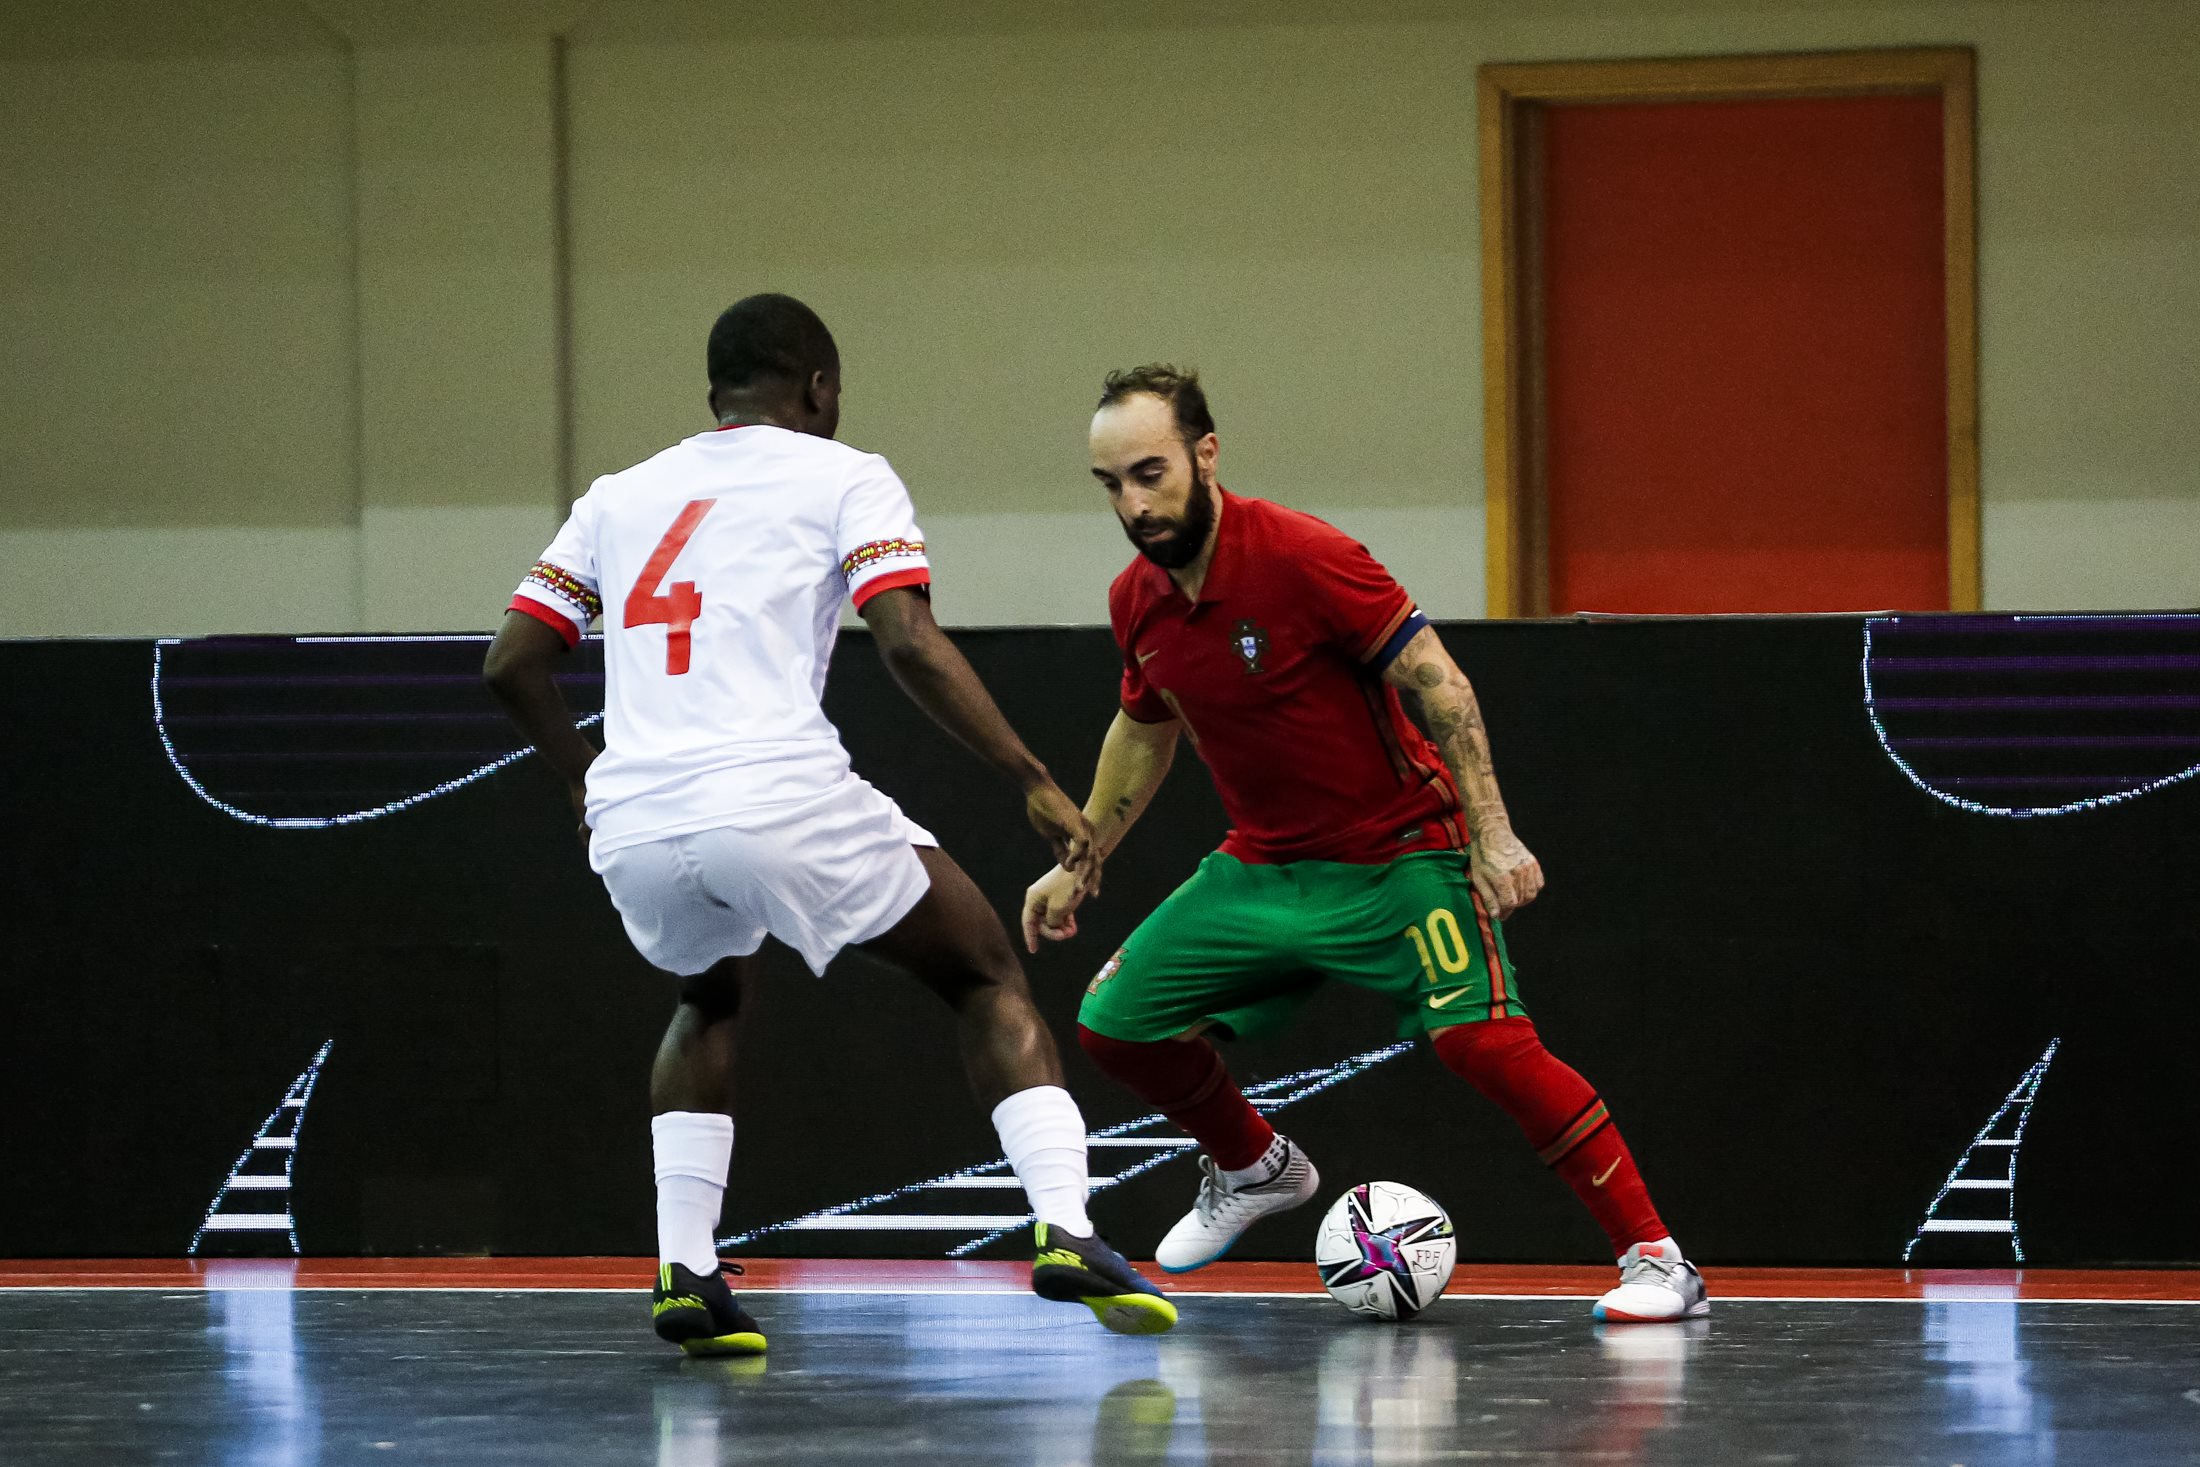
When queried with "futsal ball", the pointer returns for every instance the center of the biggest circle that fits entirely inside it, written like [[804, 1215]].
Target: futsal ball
[[1385, 1250]]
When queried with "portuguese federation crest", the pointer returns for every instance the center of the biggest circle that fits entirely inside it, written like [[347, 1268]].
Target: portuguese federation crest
[[1107, 970], [1251, 641]]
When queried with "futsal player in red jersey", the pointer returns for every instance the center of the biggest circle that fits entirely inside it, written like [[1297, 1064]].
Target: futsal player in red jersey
[[1369, 841]]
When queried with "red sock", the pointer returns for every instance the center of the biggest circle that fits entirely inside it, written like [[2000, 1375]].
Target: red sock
[[1187, 1082], [1562, 1118]]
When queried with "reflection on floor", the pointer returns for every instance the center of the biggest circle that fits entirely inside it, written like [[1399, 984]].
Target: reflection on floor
[[941, 1276], [247, 1369]]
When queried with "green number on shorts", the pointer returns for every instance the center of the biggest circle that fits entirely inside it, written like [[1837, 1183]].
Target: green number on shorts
[[1443, 930]]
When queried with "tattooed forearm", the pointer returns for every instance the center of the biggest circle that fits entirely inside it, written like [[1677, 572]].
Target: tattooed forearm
[[1440, 700], [1134, 758]]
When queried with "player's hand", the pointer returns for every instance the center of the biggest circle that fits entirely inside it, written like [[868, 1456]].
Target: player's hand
[[1505, 872], [1056, 816], [1050, 908], [577, 792]]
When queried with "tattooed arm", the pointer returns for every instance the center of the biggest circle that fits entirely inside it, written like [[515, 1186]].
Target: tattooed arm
[[1134, 759], [1438, 697]]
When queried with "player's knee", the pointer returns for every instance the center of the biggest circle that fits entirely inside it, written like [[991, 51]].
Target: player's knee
[[981, 984], [714, 993], [1485, 1054], [1120, 1057], [993, 970], [1166, 1073], [1100, 1049], [995, 957], [1121, 1060]]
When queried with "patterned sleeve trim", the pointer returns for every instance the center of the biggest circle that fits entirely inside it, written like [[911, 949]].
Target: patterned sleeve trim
[[870, 556], [567, 587]]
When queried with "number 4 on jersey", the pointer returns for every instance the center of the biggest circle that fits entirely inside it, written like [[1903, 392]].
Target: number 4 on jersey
[[682, 603]]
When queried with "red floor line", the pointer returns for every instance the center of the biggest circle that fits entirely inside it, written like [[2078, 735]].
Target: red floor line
[[888, 1275]]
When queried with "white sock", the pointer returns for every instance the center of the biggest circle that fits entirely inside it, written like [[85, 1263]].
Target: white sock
[[694, 1149], [1043, 1136], [1266, 1168]]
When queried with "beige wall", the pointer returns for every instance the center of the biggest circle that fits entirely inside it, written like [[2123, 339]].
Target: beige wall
[[315, 314]]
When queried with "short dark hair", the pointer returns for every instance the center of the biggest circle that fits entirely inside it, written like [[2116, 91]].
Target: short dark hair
[[768, 337], [1178, 387]]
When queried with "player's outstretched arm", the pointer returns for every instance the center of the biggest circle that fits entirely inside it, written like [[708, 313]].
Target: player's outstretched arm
[[1438, 697], [941, 681], [518, 672], [1134, 759]]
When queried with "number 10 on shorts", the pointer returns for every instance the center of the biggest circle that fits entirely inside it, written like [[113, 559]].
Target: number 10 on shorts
[[1444, 946]]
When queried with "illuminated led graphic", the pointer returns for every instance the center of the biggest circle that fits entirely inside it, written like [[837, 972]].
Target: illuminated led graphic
[[255, 1196], [1980, 1195], [317, 733], [2037, 714], [932, 1205]]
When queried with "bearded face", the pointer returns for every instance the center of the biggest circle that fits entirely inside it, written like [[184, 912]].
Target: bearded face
[[1173, 542], [1160, 482]]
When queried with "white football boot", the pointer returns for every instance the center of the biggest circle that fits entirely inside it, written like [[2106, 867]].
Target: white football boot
[[1656, 1285], [1224, 1210]]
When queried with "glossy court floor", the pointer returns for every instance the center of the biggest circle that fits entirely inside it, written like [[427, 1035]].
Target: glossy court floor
[[534, 1361]]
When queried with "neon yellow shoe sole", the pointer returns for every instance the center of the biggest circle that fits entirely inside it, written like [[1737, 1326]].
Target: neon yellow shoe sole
[[699, 1313], [1070, 1269], [746, 1342], [1132, 1314]]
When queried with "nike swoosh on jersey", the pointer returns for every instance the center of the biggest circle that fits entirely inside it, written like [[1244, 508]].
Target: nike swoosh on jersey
[[1606, 1176], [1448, 999], [1146, 657]]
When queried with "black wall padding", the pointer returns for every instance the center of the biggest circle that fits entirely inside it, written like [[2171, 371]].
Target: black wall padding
[[1801, 983]]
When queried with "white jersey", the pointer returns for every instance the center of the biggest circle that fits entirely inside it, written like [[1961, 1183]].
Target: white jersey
[[723, 562]]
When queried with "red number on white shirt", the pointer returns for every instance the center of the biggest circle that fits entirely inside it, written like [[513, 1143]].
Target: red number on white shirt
[[683, 603]]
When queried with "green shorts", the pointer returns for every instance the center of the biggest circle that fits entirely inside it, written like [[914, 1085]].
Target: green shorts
[[1241, 947]]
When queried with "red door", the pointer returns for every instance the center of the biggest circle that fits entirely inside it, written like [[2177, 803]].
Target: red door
[[1745, 355]]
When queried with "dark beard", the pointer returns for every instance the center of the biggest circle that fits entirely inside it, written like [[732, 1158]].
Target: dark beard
[[1189, 535]]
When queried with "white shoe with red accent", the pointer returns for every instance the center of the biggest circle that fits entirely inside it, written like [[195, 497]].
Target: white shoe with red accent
[[1656, 1285]]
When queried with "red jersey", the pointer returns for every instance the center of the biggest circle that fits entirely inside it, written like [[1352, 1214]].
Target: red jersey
[[1276, 675]]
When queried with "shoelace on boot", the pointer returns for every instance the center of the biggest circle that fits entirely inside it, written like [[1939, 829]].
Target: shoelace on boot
[[1212, 1189], [1650, 1268], [1217, 1197]]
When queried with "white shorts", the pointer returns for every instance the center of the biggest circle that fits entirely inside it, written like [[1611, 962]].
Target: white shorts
[[818, 875]]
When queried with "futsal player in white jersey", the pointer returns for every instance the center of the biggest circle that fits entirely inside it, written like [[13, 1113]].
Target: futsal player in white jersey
[[723, 807]]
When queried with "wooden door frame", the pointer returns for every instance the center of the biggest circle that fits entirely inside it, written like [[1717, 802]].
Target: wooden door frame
[[1512, 367]]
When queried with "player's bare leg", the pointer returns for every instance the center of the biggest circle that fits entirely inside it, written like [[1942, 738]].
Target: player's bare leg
[[691, 1093], [953, 943], [693, 1070]]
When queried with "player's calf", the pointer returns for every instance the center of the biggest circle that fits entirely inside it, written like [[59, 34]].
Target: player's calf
[[1186, 1080], [953, 943]]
